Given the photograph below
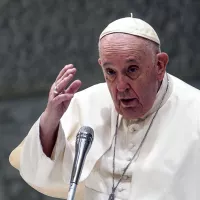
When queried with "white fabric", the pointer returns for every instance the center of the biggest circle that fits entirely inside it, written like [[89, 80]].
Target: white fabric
[[166, 169], [132, 26], [129, 136]]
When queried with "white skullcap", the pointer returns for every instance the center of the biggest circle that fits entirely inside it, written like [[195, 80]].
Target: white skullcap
[[132, 26]]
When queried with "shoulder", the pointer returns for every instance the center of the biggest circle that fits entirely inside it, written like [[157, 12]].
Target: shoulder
[[185, 98], [92, 106], [98, 93], [94, 90], [184, 103], [184, 91], [92, 99]]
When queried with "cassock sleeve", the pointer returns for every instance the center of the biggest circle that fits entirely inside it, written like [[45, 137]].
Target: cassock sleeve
[[49, 176]]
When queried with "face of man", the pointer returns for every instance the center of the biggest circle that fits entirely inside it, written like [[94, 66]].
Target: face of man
[[133, 72]]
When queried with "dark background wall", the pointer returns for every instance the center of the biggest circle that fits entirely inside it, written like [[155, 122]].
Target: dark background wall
[[38, 37]]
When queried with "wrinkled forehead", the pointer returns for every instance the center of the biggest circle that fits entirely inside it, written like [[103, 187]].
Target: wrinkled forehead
[[122, 48], [122, 41]]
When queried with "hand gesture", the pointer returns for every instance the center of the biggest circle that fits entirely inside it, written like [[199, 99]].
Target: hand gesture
[[59, 98]]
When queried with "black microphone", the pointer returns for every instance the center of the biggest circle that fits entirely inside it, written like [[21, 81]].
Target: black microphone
[[84, 140]]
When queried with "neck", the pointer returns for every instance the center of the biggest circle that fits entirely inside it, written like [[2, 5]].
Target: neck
[[159, 85]]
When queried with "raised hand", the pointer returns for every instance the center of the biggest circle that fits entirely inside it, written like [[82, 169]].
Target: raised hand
[[59, 95], [59, 99]]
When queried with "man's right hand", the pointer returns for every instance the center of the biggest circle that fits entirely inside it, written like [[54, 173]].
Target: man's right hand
[[58, 102]]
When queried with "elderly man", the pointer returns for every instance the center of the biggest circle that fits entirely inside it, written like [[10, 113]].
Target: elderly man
[[146, 126]]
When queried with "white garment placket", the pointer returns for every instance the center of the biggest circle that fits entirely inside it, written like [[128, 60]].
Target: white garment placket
[[134, 133]]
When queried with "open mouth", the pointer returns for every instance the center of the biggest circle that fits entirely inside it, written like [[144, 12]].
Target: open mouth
[[128, 102], [125, 101]]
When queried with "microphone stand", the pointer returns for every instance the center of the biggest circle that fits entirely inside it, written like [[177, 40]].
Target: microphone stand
[[72, 191]]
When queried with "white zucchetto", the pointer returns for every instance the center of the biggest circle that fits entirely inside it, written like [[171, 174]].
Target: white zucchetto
[[132, 26]]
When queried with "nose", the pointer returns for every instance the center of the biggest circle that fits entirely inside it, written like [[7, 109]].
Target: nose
[[122, 84]]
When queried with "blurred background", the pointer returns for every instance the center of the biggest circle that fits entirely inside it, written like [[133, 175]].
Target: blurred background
[[39, 37]]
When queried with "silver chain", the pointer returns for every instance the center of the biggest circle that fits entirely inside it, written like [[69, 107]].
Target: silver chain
[[114, 187]]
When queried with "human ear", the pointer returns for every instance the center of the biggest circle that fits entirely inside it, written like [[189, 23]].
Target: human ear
[[99, 61], [162, 60]]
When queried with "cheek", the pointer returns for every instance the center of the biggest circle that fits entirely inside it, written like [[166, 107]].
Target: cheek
[[149, 92], [145, 88], [111, 86], [112, 89]]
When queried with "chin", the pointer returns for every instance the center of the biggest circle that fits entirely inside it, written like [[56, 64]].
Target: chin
[[129, 113]]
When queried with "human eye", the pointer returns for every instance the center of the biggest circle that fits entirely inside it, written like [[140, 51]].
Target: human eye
[[110, 72], [132, 69], [133, 72]]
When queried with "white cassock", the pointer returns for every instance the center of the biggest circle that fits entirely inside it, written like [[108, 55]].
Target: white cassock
[[168, 166]]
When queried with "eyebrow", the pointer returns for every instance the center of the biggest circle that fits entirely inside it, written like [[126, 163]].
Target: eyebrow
[[131, 61], [106, 64]]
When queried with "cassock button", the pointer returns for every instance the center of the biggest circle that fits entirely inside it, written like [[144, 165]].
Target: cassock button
[[131, 146], [120, 189], [126, 177], [133, 128], [129, 158]]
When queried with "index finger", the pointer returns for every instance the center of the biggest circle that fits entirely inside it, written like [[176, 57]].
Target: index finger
[[64, 69]]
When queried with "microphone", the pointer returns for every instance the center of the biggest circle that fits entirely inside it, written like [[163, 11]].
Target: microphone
[[84, 140]]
